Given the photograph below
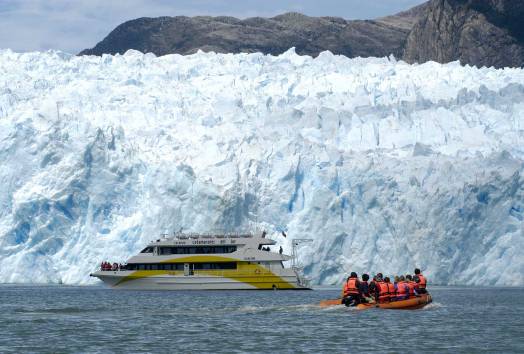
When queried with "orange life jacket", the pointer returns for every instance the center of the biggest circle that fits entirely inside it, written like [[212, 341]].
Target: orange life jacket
[[344, 289], [391, 290], [411, 285], [401, 289], [351, 287], [422, 282], [384, 290]]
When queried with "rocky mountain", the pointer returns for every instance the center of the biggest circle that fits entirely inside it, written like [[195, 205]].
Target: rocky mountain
[[309, 35], [477, 32]]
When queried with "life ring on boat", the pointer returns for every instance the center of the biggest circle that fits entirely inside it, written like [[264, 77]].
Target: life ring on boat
[[257, 271]]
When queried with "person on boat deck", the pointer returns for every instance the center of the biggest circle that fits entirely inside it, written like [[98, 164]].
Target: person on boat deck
[[421, 281], [350, 292], [402, 289], [411, 285], [364, 289]]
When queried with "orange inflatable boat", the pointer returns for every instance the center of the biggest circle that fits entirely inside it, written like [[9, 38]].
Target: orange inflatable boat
[[409, 304]]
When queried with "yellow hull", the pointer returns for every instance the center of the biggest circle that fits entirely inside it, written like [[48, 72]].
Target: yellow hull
[[248, 276]]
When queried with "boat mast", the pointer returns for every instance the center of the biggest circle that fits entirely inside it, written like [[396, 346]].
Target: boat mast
[[296, 242], [295, 265]]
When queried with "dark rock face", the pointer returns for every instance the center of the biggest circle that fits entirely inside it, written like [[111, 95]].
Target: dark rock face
[[476, 32], [309, 35]]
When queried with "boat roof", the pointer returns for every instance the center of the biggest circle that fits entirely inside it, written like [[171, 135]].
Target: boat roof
[[248, 249], [194, 239]]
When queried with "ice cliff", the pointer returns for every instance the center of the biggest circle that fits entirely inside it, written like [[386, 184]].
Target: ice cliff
[[386, 165]]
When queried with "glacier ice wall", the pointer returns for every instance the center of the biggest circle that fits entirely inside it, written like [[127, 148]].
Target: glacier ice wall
[[386, 165]]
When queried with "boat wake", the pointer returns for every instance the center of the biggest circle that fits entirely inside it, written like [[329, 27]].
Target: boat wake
[[335, 308], [278, 308], [432, 306]]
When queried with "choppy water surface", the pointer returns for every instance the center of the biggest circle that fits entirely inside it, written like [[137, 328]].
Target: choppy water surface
[[95, 319]]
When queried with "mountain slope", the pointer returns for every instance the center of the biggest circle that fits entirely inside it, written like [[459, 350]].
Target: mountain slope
[[385, 169], [476, 32], [309, 35]]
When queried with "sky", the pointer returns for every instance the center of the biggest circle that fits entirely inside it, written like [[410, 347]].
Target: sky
[[73, 25]]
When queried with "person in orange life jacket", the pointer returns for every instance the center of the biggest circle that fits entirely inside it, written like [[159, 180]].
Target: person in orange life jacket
[[375, 286], [421, 281], [385, 289], [390, 290], [412, 286], [364, 289], [351, 293], [402, 289]]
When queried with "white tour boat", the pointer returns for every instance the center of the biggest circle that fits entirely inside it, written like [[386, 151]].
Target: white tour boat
[[206, 262]]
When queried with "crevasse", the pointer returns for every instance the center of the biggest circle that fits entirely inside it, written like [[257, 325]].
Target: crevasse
[[386, 165]]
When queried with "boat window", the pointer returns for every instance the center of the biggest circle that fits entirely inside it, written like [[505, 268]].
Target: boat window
[[196, 250], [157, 266], [180, 266], [174, 266], [213, 266], [147, 250]]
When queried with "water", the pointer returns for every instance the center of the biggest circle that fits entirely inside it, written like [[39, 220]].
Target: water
[[60, 319]]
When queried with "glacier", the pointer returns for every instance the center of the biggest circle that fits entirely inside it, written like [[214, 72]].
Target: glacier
[[385, 165]]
